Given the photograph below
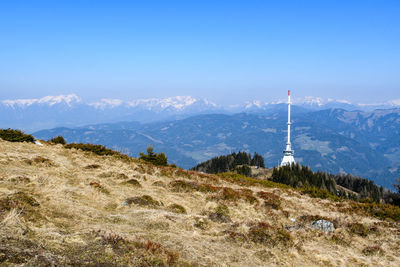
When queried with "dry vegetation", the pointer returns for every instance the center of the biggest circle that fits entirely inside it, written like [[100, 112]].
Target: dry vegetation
[[63, 206]]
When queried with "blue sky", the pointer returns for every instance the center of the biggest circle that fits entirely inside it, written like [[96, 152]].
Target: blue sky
[[226, 51]]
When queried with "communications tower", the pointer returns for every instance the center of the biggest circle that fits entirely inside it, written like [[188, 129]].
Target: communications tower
[[288, 153]]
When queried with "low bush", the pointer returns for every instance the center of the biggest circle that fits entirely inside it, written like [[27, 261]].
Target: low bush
[[129, 252], [236, 236], [221, 214], [177, 208], [99, 188], [270, 199], [358, 229], [43, 161], [158, 159], [202, 223], [15, 136], [133, 182], [185, 186], [18, 200], [319, 193], [93, 166], [58, 140], [265, 234], [97, 149], [247, 181], [144, 200], [372, 250], [340, 239], [228, 193], [380, 211], [159, 183]]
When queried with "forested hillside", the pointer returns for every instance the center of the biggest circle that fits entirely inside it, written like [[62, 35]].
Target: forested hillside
[[238, 162]]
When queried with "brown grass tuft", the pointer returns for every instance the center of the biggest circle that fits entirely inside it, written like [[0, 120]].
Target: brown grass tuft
[[144, 200], [264, 233]]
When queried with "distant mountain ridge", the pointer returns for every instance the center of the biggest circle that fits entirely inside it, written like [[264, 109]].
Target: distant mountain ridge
[[71, 111], [366, 144]]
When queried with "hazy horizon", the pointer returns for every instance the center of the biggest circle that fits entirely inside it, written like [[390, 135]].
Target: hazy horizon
[[76, 98]]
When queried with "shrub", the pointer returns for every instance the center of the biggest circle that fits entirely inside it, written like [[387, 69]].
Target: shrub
[[15, 136], [381, 211], [99, 187], [58, 140], [236, 236], [133, 182], [97, 149], [159, 183], [18, 200], [265, 234], [270, 199], [93, 166], [183, 186], [359, 229], [221, 214], [319, 193], [372, 250], [177, 208], [202, 223], [144, 200], [229, 194], [340, 239], [42, 160], [156, 159], [247, 181]]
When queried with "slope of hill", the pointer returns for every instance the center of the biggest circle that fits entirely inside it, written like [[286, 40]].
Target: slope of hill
[[361, 143], [68, 207]]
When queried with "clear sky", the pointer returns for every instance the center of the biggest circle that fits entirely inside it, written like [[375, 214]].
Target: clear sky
[[226, 51]]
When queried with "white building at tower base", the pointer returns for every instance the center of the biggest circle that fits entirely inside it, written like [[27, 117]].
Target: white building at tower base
[[288, 153]]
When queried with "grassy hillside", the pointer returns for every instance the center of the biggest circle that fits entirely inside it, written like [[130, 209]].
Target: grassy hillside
[[70, 207]]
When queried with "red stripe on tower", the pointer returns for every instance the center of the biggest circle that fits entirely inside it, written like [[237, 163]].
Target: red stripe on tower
[[289, 93]]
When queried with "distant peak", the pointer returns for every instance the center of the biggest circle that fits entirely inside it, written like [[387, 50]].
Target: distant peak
[[394, 102], [175, 102], [106, 102], [47, 100]]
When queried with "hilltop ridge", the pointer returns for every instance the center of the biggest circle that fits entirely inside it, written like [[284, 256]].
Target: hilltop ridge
[[69, 207]]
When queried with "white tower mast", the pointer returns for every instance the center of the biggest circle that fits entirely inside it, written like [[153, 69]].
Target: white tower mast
[[288, 152]]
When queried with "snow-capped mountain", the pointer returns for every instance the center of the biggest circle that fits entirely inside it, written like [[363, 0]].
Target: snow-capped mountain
[[68, 100], [71, 110], [176, 103], [318, 103]]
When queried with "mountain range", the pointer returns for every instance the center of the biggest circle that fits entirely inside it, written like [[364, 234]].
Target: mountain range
[[364, 143], [71, 111]]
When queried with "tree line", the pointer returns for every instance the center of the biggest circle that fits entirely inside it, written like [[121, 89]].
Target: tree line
[[297, 175], [238, 162]]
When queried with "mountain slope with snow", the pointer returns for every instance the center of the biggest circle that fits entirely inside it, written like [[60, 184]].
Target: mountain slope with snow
[[70, 110]]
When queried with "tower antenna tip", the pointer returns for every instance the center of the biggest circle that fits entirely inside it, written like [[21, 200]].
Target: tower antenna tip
[[289, 92]]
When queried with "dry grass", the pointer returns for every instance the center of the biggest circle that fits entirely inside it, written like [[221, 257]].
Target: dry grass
[[70, 207]]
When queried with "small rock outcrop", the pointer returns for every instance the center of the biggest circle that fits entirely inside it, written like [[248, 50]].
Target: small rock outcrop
[[323, 225]]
